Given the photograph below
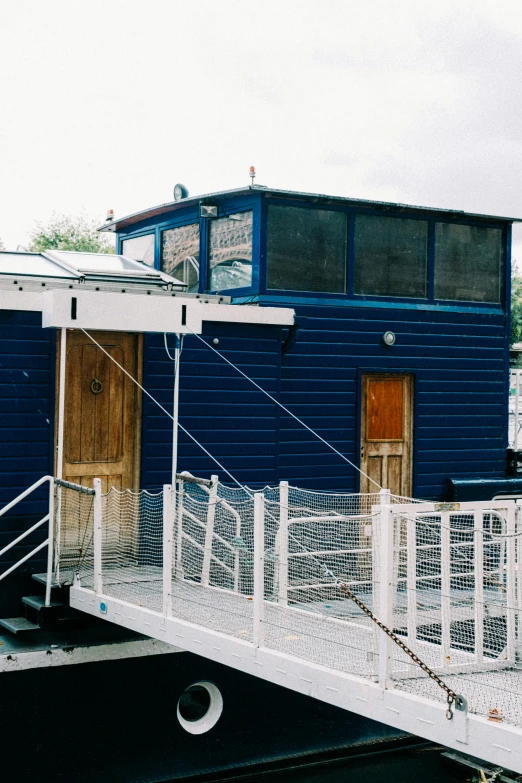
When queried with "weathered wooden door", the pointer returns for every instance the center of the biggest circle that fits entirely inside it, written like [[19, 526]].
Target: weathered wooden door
[[102, 410], [386, 433]]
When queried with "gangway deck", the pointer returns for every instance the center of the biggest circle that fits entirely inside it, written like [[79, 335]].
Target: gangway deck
[[265, 582]]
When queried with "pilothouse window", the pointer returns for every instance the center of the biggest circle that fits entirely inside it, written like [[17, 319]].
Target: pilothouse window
[[306, 249], [139, 249], [230, 259], [391, 256], [468, 263], [180, 254]]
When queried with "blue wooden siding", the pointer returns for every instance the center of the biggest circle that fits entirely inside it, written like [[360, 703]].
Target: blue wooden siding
[[26, 425], [458, 361], [233, 420]]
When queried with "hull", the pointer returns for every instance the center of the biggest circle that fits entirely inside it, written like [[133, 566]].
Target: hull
[[117, 721]]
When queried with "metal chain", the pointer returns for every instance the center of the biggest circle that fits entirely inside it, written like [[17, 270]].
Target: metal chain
[[453, 698]]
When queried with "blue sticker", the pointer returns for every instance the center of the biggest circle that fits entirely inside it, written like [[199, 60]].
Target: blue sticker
[[103, 608]]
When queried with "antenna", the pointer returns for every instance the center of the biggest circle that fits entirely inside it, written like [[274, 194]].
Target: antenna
[[252, 173]]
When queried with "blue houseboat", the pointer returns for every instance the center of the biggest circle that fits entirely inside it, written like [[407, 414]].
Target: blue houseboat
[[383, 327]]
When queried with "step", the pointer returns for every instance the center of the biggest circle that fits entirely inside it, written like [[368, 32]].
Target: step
[[17, 624], [42, 579], [38, 602]]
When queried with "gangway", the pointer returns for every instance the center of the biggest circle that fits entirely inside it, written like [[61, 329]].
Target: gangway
[[402, 611]]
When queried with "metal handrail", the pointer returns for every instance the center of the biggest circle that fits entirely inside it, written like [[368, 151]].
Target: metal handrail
[[49, 518]]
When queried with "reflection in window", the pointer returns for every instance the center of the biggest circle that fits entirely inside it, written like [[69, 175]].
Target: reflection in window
[[468, 263], [180, 254], [306, 249], [230, 258], [391, 256], [139, 249]]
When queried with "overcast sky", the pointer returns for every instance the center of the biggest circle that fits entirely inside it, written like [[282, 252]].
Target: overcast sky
[[108, 104]]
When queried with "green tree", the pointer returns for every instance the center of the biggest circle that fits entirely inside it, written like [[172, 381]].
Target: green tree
[[69, 232], [516, 306]]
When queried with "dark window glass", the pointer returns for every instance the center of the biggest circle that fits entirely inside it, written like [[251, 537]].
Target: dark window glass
[[180, 254], [139, 249], [230, 259], [468, 263], [306, 249], [391, 256]]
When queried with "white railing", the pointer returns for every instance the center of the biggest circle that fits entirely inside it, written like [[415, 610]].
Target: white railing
[[515, 410], [52, 520]]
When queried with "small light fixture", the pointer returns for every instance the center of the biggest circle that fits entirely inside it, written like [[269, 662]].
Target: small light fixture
[[252, 174], [208, 210], [180, 192], [388, 338], [110, 215]]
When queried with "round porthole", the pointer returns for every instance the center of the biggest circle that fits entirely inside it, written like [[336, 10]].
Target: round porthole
[[199, 707]]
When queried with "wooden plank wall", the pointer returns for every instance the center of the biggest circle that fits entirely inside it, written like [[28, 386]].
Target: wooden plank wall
[[26, 425], [460, 395]]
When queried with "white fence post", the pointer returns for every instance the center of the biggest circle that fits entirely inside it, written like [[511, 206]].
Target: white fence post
[[511, 576], [478, 540], [259, 569], [445, 589], [179, 529], [97, 536], [282, 593], [386, 586], [411, 580], [50, 544], [168, 530], [209, 532]]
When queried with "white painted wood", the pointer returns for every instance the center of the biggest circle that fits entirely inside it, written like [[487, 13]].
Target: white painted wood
[[120, 312], [499, 744], [27, 301], [168, 534], [97, 536], [259, 568], [209, 531], [110, 311]]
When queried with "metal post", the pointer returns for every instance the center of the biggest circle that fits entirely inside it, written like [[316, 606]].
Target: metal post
[[517, 397], [511, 576], [50, 544], [259, 568], [282, 597], [97, 536], [175, 412], [478, 536], [168, 530], [179, 530], [411, 580], [445, 589], [386, 586], [209, 531], [59, 447]]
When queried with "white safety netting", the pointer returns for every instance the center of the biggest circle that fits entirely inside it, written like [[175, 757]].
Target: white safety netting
[[450, 590]]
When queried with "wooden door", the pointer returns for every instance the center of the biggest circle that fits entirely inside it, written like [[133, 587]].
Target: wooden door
[[102, 410], [386, 433]]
